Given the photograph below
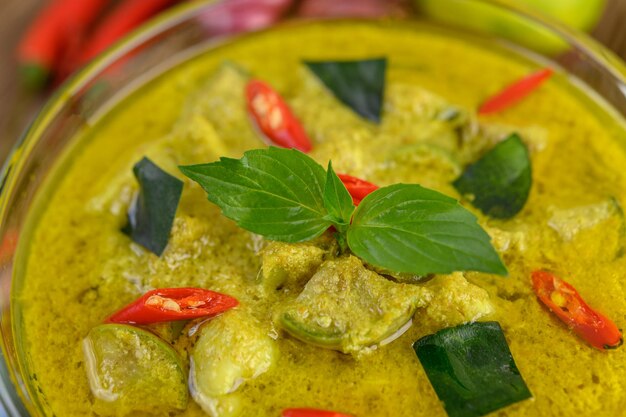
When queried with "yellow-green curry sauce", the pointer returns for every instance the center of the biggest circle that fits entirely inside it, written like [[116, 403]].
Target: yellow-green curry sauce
[[80, 268]]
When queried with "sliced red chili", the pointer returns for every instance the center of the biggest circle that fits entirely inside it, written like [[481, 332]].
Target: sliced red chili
[[515, 92], [564, 301], [172, 304], [357, 187], [310, 412], [274, 118]]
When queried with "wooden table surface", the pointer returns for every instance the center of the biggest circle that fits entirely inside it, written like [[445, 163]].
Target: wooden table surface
[[16, 109], [14, 15]]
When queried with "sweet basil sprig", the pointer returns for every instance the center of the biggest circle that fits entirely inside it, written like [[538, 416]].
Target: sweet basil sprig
[[337, 200], [283, 194]]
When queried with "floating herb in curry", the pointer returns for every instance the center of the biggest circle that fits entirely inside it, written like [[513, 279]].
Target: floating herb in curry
[[499, 183], [358, 84], [151, 215], [471, 369]]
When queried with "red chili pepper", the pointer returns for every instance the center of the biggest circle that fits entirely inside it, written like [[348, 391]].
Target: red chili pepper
[[53, 30], [357, 187], [564, 301], [310, 412], [274, 118], [515, 92], [172, 304], [124, 18]]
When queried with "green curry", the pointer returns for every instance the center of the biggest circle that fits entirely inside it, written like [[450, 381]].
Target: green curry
[[293, 342]]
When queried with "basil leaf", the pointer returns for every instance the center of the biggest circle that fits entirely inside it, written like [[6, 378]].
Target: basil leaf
[[337, 200], [275, 192], [411, 229], [151, 215], [471, 369], [358, 84], [500, 181]]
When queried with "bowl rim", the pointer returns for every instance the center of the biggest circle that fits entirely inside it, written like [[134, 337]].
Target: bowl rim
[[14, 163], [14, 398]]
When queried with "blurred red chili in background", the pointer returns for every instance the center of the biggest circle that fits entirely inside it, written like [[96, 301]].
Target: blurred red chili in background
[[124, 18], [67, 34], [45, 42]]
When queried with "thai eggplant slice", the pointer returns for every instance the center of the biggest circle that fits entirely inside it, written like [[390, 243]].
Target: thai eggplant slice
[[221, 102], [568, 222], [420, 117], [293, 264], [399, 276], [132, 371], [426, 155], [230, 350], [348, 307], [455, 301], [597, 231]]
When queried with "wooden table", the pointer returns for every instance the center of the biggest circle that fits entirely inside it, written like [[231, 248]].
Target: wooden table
[[16, 109], [14, 15]]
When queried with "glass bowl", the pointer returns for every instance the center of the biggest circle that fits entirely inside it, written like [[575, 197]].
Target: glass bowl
[[190, 30]]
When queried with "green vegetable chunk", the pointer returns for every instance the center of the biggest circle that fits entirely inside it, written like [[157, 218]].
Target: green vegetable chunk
[[230, 350], [151, 215], [499, 183], [131, 371], [221, 104], [410, 229], [455, 301], [347, 307], [277, 193], [358, 84], [292, 264], [471, 369], [596, 232], [569, 222], [426, 157]]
